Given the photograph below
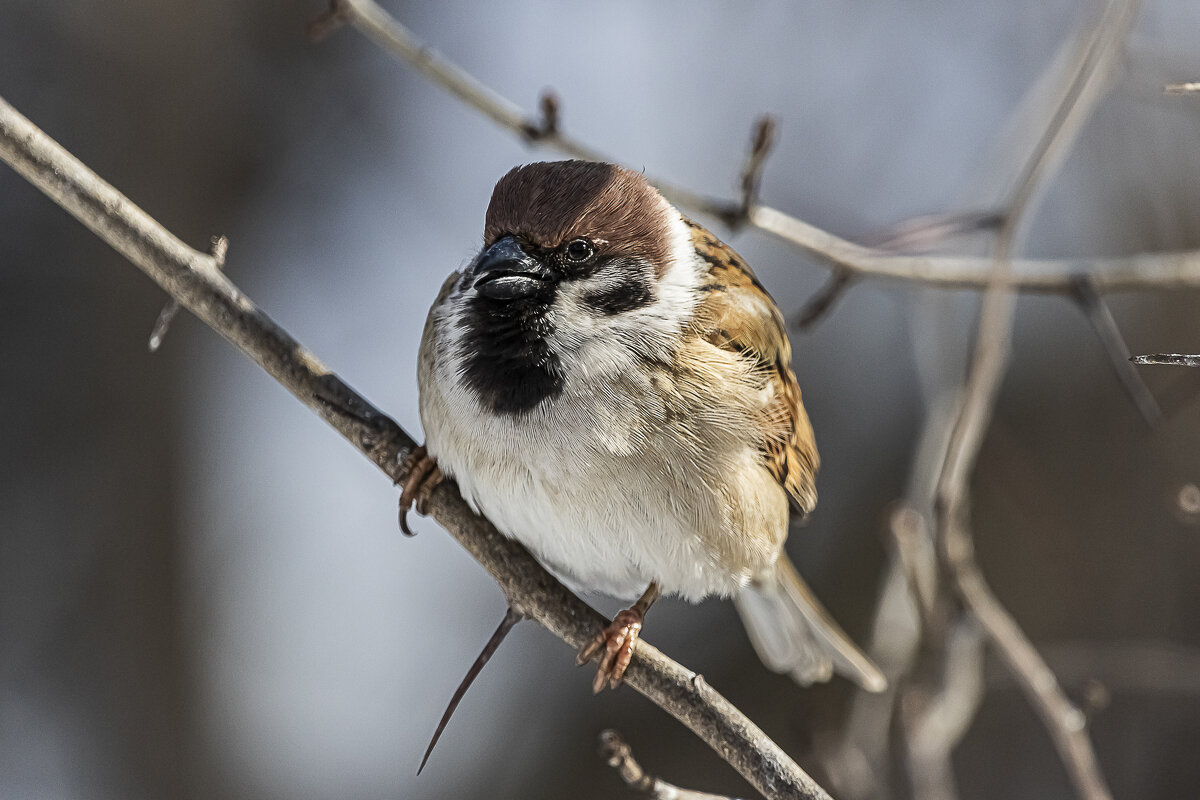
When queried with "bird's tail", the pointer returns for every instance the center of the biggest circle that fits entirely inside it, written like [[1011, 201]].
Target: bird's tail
[[793, 633]]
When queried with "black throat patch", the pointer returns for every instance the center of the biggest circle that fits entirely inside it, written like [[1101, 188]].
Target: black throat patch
[[507, 361]]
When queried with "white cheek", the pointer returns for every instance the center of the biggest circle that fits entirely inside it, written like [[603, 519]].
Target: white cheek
[[593, 344]]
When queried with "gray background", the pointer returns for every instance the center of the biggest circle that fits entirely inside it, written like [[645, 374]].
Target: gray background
[[203, 592]]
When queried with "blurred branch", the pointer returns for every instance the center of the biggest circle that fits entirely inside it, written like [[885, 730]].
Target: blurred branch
[[1173, 270], [1091, 75], [617, 754], [1109, 333], [195, 280], [824, 300], [934, 723], [1123, 667]]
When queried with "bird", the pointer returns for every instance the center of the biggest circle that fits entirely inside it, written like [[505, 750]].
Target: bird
[[611, 386]]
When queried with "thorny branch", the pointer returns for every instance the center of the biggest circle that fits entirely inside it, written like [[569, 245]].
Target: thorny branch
[[195, 280], [1171, 270]]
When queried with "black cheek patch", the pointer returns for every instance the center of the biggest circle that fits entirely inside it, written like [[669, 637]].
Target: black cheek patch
[[629, 295]]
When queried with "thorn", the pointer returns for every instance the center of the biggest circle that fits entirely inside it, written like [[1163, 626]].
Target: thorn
[[511, 618], [1105, 326], [218, 248], [163, 324]]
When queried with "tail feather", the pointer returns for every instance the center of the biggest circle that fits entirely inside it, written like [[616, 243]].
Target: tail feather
[[793, 633]]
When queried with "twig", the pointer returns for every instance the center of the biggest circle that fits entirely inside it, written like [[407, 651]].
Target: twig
[[617, 754], [1172, 270], [1182, 88], [1109, 333], [1169, 359], [925, 232], [761, 143], [327, 23], [547, 126], [1066, 725], [193, 278], [824, 300]]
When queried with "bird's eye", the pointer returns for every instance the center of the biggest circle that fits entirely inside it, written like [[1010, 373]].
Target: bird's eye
[[579, 251]]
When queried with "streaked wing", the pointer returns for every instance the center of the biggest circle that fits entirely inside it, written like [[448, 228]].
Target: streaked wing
[[737, 314]]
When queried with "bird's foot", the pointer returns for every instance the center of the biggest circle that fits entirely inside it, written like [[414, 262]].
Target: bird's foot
[[615, 646], [419, 476]]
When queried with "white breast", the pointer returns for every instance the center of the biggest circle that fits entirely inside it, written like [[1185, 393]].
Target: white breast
[[605, 505]]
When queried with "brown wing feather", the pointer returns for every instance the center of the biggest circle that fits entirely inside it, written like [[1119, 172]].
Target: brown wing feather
[[737, 314]]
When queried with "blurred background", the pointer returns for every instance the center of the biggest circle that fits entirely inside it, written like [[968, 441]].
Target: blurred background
[[203, 591]]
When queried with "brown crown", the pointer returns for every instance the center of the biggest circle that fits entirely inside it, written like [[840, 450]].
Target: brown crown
[[548, 204]]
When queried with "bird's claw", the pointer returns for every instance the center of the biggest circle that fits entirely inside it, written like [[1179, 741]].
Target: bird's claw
[[419, 477], [614, 644]]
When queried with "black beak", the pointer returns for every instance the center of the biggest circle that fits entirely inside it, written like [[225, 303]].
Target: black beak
[[506, 272]]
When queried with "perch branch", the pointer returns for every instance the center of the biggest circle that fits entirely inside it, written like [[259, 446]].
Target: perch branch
[[1165, 271], [195, 280]]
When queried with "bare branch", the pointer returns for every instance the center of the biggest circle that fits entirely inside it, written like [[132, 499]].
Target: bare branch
[[195, 280], [1094, 64], [618, 755], [1173, 270]]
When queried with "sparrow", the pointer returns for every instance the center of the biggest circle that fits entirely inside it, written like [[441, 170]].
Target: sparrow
[[611, 386]]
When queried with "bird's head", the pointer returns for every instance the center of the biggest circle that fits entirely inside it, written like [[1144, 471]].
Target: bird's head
[[584, 268]]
